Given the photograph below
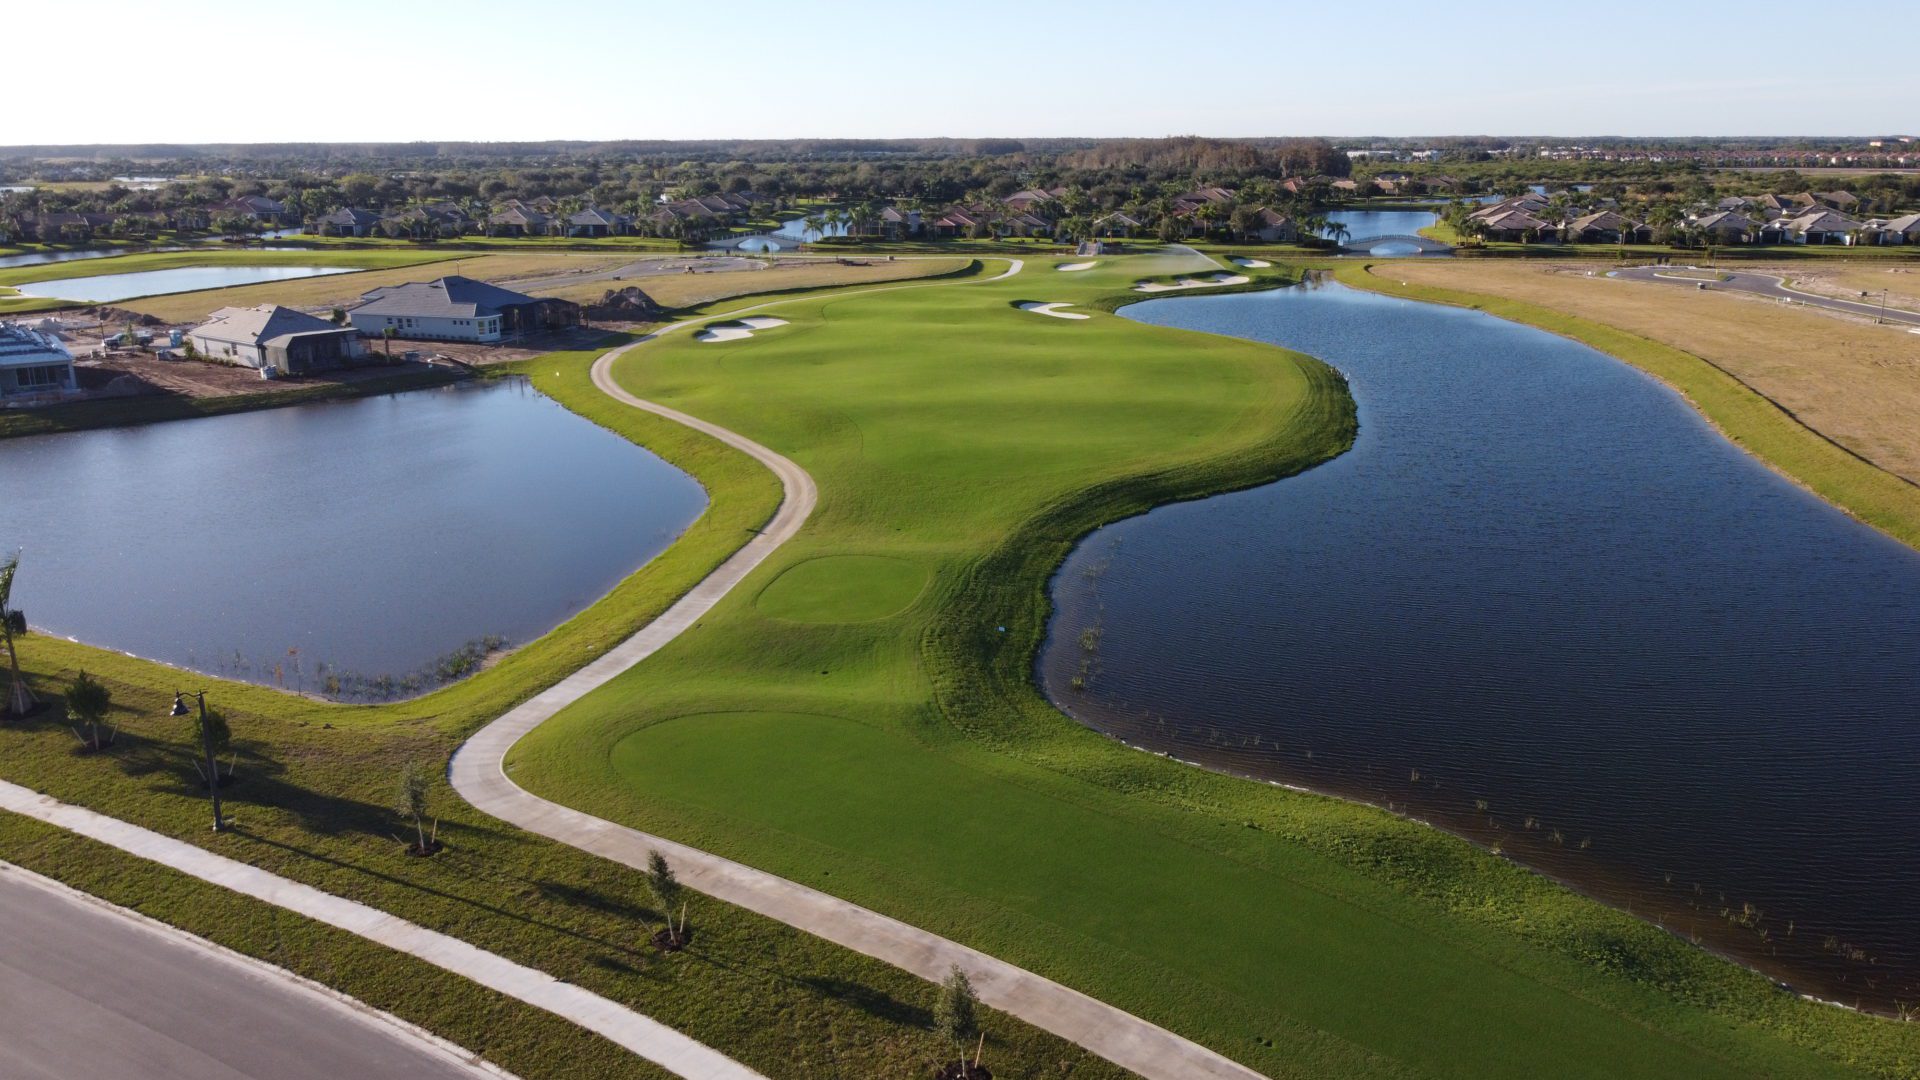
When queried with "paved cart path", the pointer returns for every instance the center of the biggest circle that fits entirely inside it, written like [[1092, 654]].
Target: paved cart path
[[478, 775], [646, 1037], [1774, 286]]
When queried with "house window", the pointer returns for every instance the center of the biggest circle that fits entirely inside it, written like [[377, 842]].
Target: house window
[[52, 375]]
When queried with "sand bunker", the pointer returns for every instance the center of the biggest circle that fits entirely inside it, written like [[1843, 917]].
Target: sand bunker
[[1077, 266], [1257, 264], [1193, 283], [739, 328], [1052, 309]]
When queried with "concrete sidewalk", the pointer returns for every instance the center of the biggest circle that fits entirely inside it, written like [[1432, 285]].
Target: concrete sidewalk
[[477, 773], [648, 1038]]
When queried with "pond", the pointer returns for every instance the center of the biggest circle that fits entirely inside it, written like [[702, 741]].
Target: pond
[[797, 228], [1542, 604], [105, 288], [1364, 223], [358, 539]]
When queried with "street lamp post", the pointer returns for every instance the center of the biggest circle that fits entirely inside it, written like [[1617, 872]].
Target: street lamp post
[[206, 748], [1883, 307]]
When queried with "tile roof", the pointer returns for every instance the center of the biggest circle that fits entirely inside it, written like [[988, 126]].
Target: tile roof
[[449, 297]]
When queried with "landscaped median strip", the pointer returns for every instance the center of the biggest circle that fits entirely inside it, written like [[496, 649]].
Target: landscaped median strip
[[648, 1038], [479, 775]]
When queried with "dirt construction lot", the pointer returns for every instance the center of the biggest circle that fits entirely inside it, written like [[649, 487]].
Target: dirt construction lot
[[1902, 283], [1856, 383]]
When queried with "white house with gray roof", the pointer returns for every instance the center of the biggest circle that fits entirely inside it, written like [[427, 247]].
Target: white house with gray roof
[[280, 338], [458, 309], [32, 362]]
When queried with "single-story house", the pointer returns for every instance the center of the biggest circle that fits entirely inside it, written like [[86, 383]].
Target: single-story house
[[458, 309], [897, 224], [594, 221], [1272, 227], [348, 221], [518, 221], [1728, 227], [280, 338], [32, 362], [258, 207], [1515, 225], [1606, 227], [1820, 227], [1032, 199], [1900, 230]]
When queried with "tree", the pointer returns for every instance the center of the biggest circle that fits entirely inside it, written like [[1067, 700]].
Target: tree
[[413, 802], [88, 702], [667, 891], [956, 1014], [20, 700]]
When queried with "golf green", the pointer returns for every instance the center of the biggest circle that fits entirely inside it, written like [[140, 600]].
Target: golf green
[[843, 589]]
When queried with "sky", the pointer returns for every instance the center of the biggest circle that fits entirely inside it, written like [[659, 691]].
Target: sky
[[402, 70]]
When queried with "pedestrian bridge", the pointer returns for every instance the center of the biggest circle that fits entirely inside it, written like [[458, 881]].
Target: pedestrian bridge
[[1364, 244]]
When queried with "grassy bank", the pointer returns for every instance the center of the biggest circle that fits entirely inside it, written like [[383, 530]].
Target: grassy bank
[[860, 716], [154, 408], [1751, 420], [313, 802]]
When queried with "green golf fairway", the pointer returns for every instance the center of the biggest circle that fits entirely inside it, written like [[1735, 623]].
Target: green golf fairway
[[859, 717]]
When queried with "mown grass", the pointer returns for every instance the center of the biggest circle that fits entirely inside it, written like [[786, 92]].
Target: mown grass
[[313, 802], [1879, 498], [908, 763]]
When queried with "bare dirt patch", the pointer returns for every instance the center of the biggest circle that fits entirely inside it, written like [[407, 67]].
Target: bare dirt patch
[[1856, 383]]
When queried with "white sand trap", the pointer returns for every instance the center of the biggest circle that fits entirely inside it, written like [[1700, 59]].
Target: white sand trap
[[1256, 264], [1193, 283], [1077, 266], [740, 328], [1053, 309]]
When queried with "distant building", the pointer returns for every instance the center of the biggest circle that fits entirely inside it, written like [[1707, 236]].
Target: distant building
[[32, 362], [348, 221], [280, 338], [459, 309]]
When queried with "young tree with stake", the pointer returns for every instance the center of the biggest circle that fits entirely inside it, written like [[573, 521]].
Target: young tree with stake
[[667, 891], [413, 802], [956, 1017], [88, 702]]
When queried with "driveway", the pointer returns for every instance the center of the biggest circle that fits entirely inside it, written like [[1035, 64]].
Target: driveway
[[1773, 286]]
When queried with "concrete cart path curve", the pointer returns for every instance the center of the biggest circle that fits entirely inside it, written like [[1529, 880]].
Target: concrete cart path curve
[[478, 774], [646, 1037]]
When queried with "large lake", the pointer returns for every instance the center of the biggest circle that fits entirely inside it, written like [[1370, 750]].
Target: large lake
[[372, 536], [1539, 579], [105, 288]]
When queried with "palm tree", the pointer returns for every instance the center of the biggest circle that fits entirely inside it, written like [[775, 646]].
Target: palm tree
[[20, 700], [1338, 232]]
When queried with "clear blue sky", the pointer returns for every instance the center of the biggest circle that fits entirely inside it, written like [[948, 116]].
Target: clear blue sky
[[394, 70]]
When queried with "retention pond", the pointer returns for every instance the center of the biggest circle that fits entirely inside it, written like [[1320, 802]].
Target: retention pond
[[1544, 605], [353, 548]]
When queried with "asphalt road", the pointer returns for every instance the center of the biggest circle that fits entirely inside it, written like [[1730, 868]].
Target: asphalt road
[[1769, 285], [89, 993]]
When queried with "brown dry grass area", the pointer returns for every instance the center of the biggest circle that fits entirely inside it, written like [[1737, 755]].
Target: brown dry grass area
[[1848, 282], [1855, 383], [343, 289], [691, 290]]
